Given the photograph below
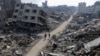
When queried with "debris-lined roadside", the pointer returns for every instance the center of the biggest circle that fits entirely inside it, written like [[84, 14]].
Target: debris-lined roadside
[[14, 44], [76, 40], [22, 25]]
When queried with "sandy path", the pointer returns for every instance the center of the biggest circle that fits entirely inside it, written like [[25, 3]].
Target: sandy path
[[41, 44]]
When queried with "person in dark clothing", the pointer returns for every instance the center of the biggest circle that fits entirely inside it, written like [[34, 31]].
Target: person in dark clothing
[[45, 35], [54, 47], [49, 34]]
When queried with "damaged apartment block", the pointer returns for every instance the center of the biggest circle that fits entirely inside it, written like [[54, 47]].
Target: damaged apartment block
[[29, 17]]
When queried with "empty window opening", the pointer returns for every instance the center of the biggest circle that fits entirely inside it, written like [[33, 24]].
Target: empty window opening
[[15, 16], [32, 17], [16, 11], [25, 17], [17, 5], [34, 11], [27, 10]]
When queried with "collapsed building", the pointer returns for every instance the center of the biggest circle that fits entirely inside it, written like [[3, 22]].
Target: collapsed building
[[82, 32], [6, 10], [16, 44], [29, 17]]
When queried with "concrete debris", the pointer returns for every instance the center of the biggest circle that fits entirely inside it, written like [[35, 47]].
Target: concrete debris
[[15, 45], [22, 25], [80, 38], [56, 20]]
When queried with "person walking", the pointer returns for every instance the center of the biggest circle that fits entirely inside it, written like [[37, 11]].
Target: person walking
[[45, 35], [49, 35]]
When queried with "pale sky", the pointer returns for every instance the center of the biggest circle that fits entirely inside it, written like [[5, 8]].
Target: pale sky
[[61, 2]]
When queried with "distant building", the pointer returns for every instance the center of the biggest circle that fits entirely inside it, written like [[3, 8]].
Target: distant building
[[89, 9], [44, 4], [30, 15], [58, 9], [97, 6], [46, 8], [97, 3], [82, 7]]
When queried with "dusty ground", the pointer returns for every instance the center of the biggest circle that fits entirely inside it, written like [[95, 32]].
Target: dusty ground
[[42, 43]]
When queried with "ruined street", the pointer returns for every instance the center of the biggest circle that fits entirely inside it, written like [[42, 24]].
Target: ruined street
[[43, 43], [49, 28]]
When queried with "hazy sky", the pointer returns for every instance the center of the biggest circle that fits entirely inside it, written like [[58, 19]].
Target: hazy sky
[[61, 2]]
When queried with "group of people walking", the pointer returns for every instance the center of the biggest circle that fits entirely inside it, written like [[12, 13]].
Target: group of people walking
[[47, 35]]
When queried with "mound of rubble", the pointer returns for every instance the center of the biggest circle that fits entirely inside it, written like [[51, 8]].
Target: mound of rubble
[[15, 44], [56, 19], [78, 39]]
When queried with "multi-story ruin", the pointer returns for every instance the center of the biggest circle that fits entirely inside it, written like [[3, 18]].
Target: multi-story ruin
[[30, 16], [7, 8]]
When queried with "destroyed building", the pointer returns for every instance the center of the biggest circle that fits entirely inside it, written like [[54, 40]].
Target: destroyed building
[[7, 8], [30, 17], [80, 29]]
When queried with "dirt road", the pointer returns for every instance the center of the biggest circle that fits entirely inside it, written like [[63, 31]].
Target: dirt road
[[41, 44]]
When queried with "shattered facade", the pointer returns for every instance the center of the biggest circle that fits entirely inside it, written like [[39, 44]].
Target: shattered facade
[[83, 9], [7, 8], [30, 16]]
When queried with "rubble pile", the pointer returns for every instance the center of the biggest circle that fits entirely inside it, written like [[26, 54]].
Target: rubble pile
[[79, 32], [15, 44], [78, 22], [84, 31], [57, 19]]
